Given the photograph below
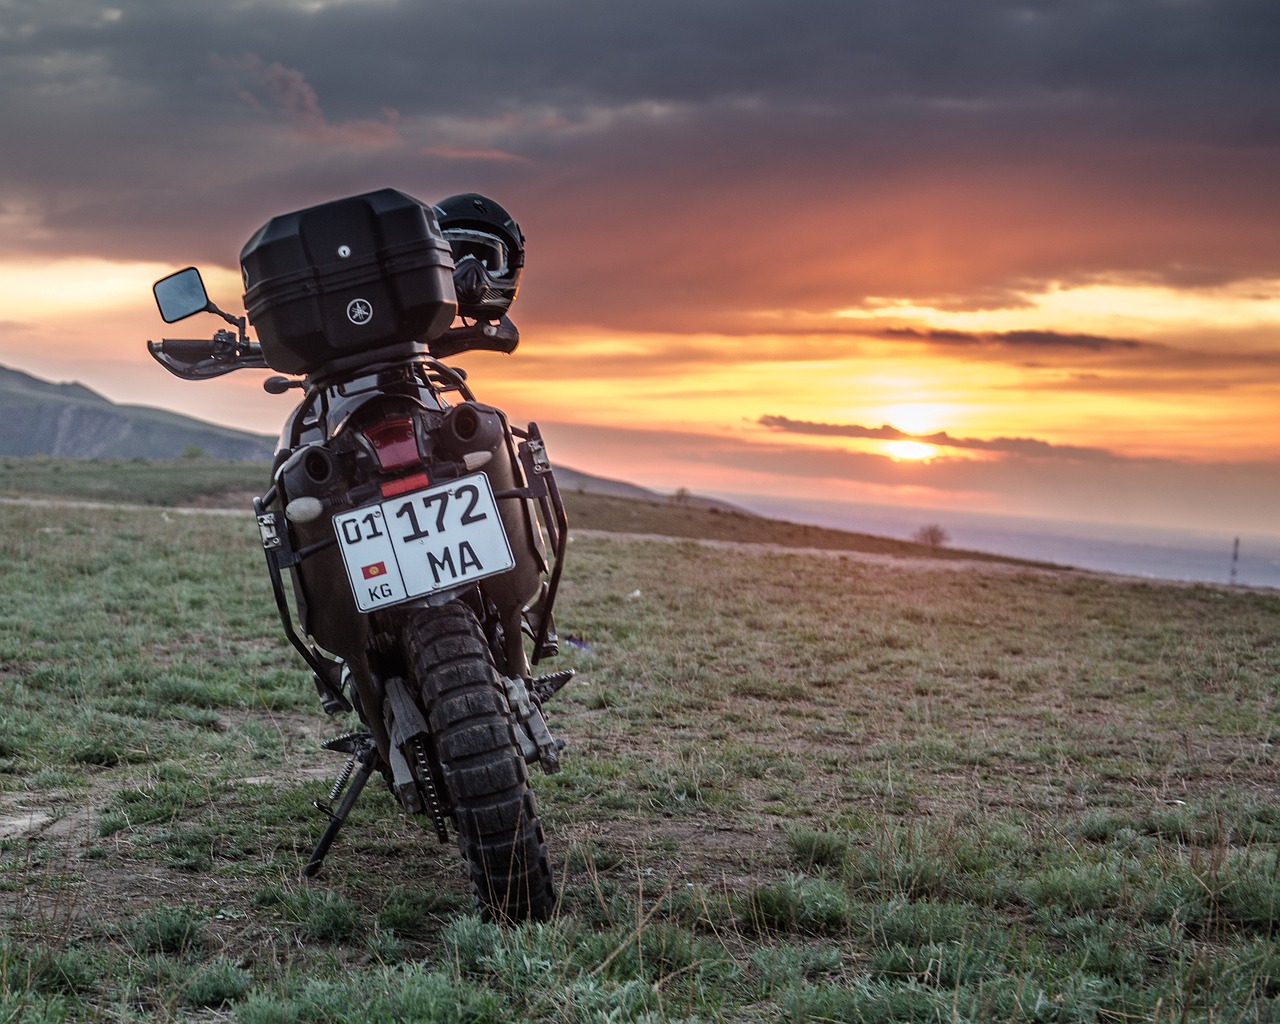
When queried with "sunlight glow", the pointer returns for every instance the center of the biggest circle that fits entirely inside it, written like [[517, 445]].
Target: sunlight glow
[[42, 290], [916, 417], [1098, 308], [909, 451]]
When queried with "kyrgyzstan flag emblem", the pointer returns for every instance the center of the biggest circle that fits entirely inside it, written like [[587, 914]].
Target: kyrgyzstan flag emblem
[[377, 569]]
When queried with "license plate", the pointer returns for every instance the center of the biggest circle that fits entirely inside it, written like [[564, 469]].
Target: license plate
[[423, 541]]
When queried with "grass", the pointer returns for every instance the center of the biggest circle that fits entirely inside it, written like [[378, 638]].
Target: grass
[[799, 788], [215, 483], [158, 482]]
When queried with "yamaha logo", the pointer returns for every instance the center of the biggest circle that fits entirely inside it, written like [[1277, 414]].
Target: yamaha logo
[[359, 312]]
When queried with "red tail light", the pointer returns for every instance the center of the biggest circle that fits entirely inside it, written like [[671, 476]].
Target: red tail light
[[394, 443], [397, 449], [412, 482]]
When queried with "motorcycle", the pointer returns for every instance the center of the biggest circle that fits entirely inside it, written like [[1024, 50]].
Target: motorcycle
[[413, 537]]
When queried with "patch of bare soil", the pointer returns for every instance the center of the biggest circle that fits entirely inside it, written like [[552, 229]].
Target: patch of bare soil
[[76, 880], [57, 832]]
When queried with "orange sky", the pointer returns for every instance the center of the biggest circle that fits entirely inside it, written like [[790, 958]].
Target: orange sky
[[1050, 407], [1011, 257]]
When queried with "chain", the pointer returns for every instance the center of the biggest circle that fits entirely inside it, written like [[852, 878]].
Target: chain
[[426, 783]]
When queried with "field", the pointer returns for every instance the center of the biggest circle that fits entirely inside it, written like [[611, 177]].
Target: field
[[800, 786], [210, 483]]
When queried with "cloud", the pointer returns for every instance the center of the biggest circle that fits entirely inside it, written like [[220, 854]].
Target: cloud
[[1231, 496], [275, 89], [1027, 447], [722, 141], [470, 153], [1018, 339]]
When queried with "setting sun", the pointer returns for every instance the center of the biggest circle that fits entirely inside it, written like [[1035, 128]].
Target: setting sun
[[917, 417], [909, 450]]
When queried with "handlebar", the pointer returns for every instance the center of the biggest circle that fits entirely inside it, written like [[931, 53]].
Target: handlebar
[[502, 336], [203, 358], [189, 349]]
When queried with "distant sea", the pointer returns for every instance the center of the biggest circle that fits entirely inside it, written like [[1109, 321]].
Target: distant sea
[[1151, 551]]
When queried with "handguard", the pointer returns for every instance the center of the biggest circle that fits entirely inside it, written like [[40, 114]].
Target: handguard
[[205, 358]]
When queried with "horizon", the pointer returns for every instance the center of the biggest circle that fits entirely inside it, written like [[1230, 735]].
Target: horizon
[[906, 518], [1011, 259], [1125, 548]]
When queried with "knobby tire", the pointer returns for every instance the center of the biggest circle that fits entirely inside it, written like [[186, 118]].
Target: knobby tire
[[499, 833]]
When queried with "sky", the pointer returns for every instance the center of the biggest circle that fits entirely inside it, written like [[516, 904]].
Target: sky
[[970, 255]]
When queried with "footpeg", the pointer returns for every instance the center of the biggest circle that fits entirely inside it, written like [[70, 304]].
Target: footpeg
[[353, 743], [546, 687], [333, 687], [536, 741]]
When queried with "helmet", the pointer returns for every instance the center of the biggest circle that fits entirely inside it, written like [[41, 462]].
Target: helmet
[[488, 254]]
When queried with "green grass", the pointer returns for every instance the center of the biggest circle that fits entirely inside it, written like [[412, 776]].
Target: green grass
[[135, 481], [218, 483], [799, 788]]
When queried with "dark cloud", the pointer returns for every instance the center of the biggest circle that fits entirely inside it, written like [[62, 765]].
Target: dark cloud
[[1026, 447], [677, 165], [1017, 339]]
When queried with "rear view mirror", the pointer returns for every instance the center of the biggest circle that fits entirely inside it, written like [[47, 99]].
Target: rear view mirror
[[180, 295]]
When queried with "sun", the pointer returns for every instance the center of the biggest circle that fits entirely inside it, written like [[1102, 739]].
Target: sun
[[916, 417], [909, 451]]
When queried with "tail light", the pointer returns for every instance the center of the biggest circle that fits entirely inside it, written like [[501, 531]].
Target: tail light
[[396, 446]]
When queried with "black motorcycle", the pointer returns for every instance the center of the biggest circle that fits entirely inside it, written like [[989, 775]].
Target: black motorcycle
[[420, 534]]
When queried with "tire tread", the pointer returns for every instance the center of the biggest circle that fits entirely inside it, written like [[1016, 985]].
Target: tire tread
[[500, 834]]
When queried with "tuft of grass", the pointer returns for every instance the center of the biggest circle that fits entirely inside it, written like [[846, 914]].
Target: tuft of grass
[[412, 912], [317, 914], [817, 848], [214, 985], [798, 904], [167, 929], [380, 996]]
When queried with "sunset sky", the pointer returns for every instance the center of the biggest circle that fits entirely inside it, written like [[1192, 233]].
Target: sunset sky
[[961, 254]]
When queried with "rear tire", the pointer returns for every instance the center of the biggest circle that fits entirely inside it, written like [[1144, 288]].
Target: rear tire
[[484, 775]]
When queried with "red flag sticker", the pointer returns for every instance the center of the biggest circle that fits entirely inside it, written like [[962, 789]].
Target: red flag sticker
[[377, 569]]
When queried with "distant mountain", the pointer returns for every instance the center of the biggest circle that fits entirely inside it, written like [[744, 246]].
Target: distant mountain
[[38, 417], [572, 480]]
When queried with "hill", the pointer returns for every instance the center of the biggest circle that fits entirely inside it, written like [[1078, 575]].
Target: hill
[[38, 417], [667, 517], [573, 482]]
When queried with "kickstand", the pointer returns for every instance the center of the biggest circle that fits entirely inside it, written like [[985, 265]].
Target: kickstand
[[361, 764]]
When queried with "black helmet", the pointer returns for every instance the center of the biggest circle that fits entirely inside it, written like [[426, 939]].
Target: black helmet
[[488, 254]]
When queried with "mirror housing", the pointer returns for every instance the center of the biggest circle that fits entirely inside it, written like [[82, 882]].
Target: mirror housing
[[181, 295]]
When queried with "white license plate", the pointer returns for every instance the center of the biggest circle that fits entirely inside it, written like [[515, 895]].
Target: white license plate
[[423, 541]]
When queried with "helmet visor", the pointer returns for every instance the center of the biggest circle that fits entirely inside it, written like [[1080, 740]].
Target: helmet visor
[[488, 250]]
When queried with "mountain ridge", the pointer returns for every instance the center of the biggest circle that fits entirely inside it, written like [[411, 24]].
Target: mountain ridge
[[69, 420], [40, 417]]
